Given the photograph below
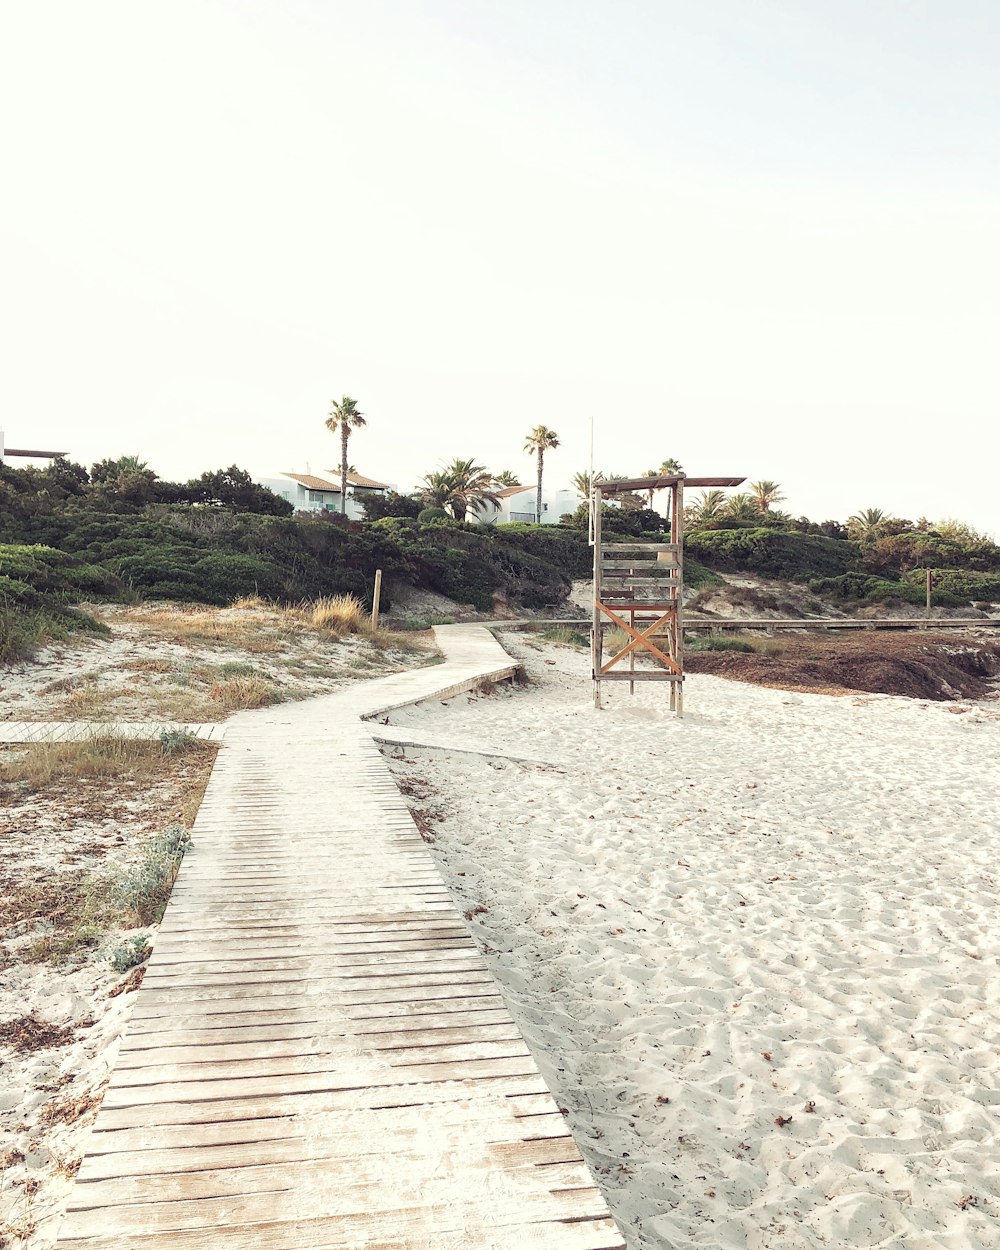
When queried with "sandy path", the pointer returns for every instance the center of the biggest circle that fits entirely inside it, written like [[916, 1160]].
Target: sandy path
[[782, 908]]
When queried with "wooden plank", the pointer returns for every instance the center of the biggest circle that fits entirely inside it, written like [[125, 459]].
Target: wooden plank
[[364, 1077], [434, 1229], [360, 1144], [641, 547], [158, 1070], [657, 674], [183, 1143], [240, 1105], [237, 1032], [251, 1196]]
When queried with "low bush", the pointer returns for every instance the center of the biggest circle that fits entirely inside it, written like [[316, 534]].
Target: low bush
[[136, 950], [139, 897], [718, 642], [769, 552], [863, 588]]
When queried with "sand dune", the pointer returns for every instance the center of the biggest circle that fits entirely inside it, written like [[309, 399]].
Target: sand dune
[[755, 952]]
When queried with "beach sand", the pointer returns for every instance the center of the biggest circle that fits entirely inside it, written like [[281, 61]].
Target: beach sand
[[755, 952]]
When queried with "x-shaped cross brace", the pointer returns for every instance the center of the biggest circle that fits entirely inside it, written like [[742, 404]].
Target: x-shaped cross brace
[[643, 639]]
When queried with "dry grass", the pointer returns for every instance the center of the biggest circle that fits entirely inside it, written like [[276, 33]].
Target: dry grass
[[200, 626], [337, 614], [260, 628], [88, 699], [241, 693], [42, 764], [88, 780]]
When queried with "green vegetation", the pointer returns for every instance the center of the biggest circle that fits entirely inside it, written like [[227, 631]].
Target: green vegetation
[[718, 642], [458, 489], [117, 531], [772, 552]]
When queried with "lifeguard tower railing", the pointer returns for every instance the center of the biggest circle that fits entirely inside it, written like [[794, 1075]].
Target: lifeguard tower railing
[[639, 589]]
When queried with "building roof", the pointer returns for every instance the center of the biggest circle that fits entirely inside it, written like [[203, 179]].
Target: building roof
[[37, 455], [511, 490], [312, 482], [357, 479]]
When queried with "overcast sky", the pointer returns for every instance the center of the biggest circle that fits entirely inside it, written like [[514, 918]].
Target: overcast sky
[[762, 237]]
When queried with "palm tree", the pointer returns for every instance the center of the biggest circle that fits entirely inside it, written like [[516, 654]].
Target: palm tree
[[539, 441], [766, 493], [506, 478], [668, 468], [459, 487], [345, 417], [583, 483], [436, 490], [866, 524], [742, 507], [706, 507]]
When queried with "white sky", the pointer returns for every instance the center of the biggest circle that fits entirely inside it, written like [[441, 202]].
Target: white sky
[[761, 237]]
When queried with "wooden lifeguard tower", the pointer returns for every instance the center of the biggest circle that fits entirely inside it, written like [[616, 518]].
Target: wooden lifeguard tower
[[639, 586]]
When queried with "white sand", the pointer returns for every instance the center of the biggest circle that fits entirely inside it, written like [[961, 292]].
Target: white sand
[[783, 906]]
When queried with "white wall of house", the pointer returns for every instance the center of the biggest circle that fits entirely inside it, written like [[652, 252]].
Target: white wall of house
[[307, 499], [521, 507]]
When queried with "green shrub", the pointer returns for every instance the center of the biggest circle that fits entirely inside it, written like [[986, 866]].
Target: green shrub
[[963, 586], [175, 740], [426, 516], [771, 552], [131, 953], [140, 896], [860, 587], [718, 642]]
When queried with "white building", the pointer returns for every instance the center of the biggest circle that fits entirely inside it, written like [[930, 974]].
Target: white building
[[517, 503], [310, 492]]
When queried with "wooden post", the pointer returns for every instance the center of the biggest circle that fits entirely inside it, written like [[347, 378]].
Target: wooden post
[[597, 627], [677, 536], [631, 654], [376, 597], [930, 579]]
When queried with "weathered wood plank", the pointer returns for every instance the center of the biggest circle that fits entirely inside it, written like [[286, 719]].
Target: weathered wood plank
[[436, 1230], [252, 1195]]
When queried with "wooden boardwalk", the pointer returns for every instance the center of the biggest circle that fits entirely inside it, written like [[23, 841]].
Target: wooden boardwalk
[[318, 1056]]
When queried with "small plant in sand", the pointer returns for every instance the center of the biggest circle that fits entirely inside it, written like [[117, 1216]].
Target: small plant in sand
[[138, 897], [174, 740], [130, 954]]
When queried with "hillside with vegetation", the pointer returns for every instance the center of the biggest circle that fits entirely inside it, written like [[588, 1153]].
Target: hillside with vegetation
[[117, 532]]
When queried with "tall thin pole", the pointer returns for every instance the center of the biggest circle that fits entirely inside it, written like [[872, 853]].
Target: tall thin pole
[[377, 595], [590, 501], [930, 580]]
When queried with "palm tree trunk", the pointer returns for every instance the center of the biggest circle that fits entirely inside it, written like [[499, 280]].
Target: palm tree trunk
[[538, 497], [345, 434]]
